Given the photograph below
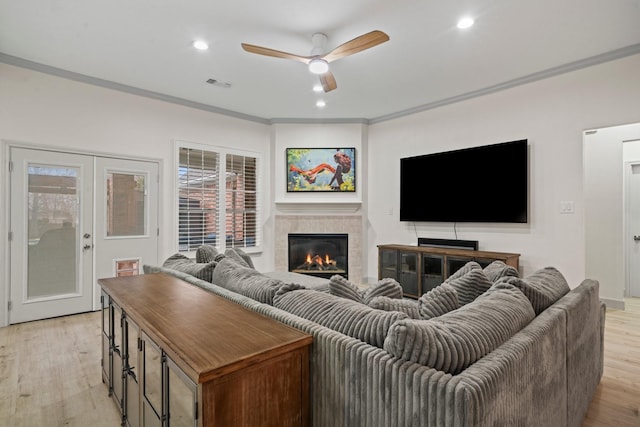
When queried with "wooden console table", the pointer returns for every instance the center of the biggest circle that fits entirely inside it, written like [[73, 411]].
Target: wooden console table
[[419, 269], [175, 354]]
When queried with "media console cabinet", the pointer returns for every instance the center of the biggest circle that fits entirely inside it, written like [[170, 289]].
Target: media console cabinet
[[176, 355], [419, 269]]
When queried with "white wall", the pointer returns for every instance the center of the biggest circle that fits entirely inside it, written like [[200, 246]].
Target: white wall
[[552, 114], [49, 111]]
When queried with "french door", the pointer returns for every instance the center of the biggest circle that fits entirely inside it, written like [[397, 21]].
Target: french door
[[74, 218]]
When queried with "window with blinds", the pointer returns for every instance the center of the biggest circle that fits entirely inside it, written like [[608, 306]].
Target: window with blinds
[[217, 199]]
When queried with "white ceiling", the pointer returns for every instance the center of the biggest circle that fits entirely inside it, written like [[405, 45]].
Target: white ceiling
[[146, 45]]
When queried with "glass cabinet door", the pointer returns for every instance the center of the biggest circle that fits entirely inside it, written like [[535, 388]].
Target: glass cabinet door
[[409, 273], [132, 362], [117, 344], [151, 383], [106, 340], [432, 272], [182, 398], [455, 263], [388, 267]]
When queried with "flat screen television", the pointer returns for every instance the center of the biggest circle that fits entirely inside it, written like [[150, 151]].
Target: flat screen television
[[479, 184]]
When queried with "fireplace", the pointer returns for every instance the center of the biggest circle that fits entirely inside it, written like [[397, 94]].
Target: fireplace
[[319, 254]]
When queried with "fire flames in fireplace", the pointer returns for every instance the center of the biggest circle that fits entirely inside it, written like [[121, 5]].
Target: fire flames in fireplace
[[318, 263]]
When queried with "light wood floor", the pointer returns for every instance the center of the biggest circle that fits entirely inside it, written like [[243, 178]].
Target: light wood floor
[[50, 373]]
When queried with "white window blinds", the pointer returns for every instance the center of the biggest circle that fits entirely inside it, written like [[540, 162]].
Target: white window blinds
[[217, 199]]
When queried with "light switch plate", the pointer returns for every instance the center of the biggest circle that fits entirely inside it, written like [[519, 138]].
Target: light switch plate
[[567, 207]]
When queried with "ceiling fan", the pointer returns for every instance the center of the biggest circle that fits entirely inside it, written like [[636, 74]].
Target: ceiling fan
[[318, 61]]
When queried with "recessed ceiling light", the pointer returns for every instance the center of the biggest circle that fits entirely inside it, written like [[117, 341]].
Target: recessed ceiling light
[[320, 103], [317, 88], [465, 22], [200, 45]]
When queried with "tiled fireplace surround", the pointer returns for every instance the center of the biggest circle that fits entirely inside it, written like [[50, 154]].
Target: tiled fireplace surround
[[349, 224]]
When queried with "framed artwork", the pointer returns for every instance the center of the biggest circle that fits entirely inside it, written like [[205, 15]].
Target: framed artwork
[[321, 169]]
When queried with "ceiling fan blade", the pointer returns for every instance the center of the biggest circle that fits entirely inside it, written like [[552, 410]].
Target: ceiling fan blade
[[328, 81], [274, 53], [356, 45]]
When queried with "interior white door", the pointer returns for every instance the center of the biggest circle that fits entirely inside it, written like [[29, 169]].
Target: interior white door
[[127, 216], [51, 199], [633, 219]]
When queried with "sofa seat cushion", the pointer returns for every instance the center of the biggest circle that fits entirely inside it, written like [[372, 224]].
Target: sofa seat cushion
[[438, 301], [341, 287], [308, 281], [342, 315], [180, 262], [543, 287], [246, 281], [455, 340]]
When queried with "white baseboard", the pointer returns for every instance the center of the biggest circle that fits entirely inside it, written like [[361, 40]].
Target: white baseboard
[[613, 303]]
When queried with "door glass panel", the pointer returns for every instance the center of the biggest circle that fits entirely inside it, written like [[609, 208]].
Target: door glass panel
[[125, 205], [152, 376], [53, 212], [182, 398]]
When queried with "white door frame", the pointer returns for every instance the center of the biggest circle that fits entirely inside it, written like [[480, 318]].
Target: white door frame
[[629, 231], [5, 211]]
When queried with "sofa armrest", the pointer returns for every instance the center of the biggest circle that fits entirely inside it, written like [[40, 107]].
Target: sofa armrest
[[585, 347], [522, 382]]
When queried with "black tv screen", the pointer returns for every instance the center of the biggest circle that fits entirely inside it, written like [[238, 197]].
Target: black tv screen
[[479, 184]]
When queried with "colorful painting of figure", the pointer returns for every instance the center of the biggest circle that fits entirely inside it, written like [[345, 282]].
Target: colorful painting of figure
[[321, 169]]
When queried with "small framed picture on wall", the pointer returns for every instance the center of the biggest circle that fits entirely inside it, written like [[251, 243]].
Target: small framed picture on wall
[[321, 169]]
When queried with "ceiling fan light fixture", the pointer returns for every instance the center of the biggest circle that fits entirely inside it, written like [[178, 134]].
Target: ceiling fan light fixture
[[318, 66]]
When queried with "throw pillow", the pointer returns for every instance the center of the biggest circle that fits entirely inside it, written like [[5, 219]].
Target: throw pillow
[[179, 262], [543, 287], [342, 315], [206, 253], [239, 278], [410, 307], [471, 265], [341, 287], [498, 269], [245, 257], [470, 285], [385, 287], [455, 340], [231, 253], [438, 301]]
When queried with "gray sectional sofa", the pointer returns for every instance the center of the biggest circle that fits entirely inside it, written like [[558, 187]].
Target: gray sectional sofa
[[519, 364]]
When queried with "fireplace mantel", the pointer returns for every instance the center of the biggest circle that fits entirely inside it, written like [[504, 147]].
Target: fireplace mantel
[[312, 206]]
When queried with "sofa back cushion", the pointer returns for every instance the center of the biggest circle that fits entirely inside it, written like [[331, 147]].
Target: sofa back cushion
[[543, 287], [246, 281], [342, 315], [455, 340], [181, 263]]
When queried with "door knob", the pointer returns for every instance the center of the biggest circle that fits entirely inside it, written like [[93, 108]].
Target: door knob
[[87, 246], [636, 238], [86, 235]]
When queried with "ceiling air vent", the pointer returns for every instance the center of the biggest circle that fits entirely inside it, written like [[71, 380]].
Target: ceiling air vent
[[219, 83]]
